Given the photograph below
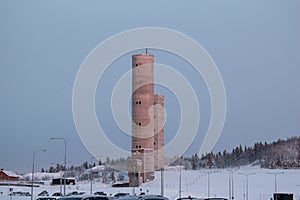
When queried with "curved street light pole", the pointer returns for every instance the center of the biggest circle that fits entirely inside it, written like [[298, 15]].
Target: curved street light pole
[[208, 183], [91, 172], [65, 160], [32, 174], [231, 183], [275, 179], [60, 181]]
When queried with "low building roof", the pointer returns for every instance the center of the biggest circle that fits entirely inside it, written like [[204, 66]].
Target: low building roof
[[10, 173]]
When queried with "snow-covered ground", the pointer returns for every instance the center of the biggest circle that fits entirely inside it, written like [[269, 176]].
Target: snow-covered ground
[[194, 183]]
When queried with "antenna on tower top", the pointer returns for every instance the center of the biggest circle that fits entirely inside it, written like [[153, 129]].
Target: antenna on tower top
[[146, 50]]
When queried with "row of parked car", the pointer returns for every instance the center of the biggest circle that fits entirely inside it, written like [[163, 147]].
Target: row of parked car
[[44, 195], [103, 197], [119, 196]]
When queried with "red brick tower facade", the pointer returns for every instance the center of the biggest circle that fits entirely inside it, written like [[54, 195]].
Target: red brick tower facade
[[147, 120]]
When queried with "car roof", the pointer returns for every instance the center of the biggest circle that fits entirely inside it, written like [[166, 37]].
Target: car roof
[[82, 196], [129, 197], [152, 196]]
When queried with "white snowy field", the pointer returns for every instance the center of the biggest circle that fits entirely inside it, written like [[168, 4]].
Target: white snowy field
[[194, 183]]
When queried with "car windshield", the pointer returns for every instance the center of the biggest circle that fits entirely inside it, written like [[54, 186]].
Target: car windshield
[[46, 198], [101, 198]]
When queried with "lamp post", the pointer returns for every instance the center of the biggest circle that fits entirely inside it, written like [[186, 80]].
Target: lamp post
[[91, 172], [208, 184], [32, 174], [275, 179], [162, 181], [246, 175], [180, 182], [60, 181], [65, 160], [231, 184], [91, 176]]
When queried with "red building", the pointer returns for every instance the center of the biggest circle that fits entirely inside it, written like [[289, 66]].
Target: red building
[[8, 176]]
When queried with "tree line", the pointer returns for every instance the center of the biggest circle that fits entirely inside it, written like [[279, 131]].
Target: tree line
[[278, 154]]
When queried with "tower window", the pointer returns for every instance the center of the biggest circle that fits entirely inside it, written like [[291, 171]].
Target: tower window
[[136, 102], [136, 64], [140, 123], [136, 146], [140, 146], [140, 102]]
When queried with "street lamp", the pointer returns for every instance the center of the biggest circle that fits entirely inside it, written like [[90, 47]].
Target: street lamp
[[275, 179], [65, 160], [180, 177], [231, 184], [91, 176], [91, 172], [60, 181], [32, 174], [208, 184], [246, 175]]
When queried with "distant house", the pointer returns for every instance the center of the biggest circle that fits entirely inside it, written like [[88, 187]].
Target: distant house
[[8, 175]]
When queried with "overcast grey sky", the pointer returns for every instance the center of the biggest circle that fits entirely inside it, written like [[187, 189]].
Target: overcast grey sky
[[255, 45]]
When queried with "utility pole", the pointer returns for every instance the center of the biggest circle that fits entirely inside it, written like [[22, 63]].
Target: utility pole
[[180, 182], [275, 180], [32, 174], [247, 187], [60, 181], [208, 184], [231, 184], [65, 161], [162, 182]]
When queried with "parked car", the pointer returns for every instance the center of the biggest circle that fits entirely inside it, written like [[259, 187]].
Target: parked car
[[75, 193], [46, 198], [43, 193], [21, 194], [152, 197], [86, 197], [129, 197], [190, 198], [100, 193], [143, 197], [57, 194], [121, 194]]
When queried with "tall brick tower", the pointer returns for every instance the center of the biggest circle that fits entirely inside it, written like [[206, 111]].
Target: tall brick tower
[[144, 138]]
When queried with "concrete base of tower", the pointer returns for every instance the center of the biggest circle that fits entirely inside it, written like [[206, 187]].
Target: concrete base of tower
[[134, 172], [140, 167]]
